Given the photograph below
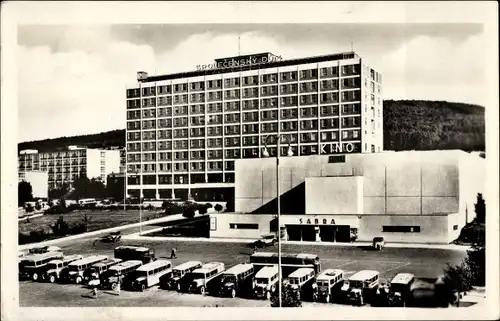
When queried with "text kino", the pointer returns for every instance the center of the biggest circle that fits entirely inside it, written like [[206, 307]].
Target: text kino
[[317, 221], [336, 148]]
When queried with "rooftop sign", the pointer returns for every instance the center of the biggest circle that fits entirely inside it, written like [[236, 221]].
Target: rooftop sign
[[238, 61]]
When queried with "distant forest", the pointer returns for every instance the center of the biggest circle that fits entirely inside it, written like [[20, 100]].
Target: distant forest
[[408, 125]]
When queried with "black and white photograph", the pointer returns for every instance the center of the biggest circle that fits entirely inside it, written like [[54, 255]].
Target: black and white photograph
[[208, 156]]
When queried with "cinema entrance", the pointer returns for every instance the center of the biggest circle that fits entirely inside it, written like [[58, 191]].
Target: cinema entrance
[[320, 230]]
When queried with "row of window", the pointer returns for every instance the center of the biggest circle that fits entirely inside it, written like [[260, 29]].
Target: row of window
[[235, 107], [325, 72], [330, 97]]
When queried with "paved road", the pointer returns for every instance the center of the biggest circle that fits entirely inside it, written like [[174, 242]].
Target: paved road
[[425, 263]]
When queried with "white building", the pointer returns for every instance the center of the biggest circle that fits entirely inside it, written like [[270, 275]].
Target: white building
[[67, 165], [414, 196], [39, 182]]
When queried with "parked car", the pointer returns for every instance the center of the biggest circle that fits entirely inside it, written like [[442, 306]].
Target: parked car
[[112, 237], [266, 240], [327, 285], [57, 269], [237, 281], [378, 243]]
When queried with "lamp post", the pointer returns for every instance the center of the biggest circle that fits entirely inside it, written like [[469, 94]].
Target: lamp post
[[265, 153]]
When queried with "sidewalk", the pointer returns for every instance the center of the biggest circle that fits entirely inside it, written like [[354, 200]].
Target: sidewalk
[[135, 236]]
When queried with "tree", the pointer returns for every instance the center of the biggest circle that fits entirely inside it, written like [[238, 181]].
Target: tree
[[61, 227], [60, 190], [86, 221], [289, 298], [24, 193], [480, 209]]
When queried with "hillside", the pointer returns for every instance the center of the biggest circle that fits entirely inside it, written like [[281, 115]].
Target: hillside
[[408, 125]]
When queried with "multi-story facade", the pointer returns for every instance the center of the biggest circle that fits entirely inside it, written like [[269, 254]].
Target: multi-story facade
[[67, 165], [38, 181], [185, 131]]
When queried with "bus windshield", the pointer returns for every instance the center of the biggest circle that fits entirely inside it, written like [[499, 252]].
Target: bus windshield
[[229, 278], [141, 273], [74, 268], [294, 281], [196, 276], [29, 263], [52, 266], [176, 273], [261, 280], [356, 284]]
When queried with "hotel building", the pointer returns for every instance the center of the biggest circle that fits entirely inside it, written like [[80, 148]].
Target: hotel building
[[186, 130], [67, 165]]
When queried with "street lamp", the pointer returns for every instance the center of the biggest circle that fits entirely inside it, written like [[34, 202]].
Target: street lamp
[[265, 153]]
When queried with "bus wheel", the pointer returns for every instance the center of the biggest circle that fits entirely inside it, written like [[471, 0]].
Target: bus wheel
[[202, 290], [79, 280], [143, 287], [327, 299], [52, 278], [114, 286], [233, 293], [35, 276]]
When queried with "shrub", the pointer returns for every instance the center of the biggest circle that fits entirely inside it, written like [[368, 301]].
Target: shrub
[[61, 227], [218, 207], [203, 209], [189, 212], [209, 205], [289, 298], [78, 228]]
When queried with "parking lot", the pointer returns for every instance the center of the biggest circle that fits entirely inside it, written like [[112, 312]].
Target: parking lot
[[424, 263]]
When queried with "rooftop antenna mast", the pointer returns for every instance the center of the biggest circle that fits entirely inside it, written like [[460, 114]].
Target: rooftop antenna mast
[[239, 45]]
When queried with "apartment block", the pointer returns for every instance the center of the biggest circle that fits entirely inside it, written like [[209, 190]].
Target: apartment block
[[185, 131], [67, 165]]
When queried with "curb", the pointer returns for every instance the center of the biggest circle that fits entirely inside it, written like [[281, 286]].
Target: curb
[[109, 230], [135, 236]]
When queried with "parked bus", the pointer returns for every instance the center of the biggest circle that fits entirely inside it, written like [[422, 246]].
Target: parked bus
[[361, 286], [77, 269], [289, 261], [149, 274], [328, 284], [119, 274], [266, 282], [34, 266], [301, 282], [178, 273], [44, 249], [99, 268], [237, 281], [200, 279], [400, 288], [57, 269], [127, 253]]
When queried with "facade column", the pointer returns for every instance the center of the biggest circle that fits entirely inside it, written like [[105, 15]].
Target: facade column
[[316, 230]]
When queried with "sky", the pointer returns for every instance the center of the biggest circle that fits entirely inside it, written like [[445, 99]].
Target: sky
[[72, 79]]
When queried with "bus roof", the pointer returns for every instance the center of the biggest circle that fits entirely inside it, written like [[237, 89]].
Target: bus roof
[[153, 265], [403, 278], [267, 272], [89, 259], [297, 255], [108, 262], [187, 265], [208, 267], [329, 274], [129, 247], [363, 275], [126, 264], [301, 272], [42, 256], [239, 268]]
